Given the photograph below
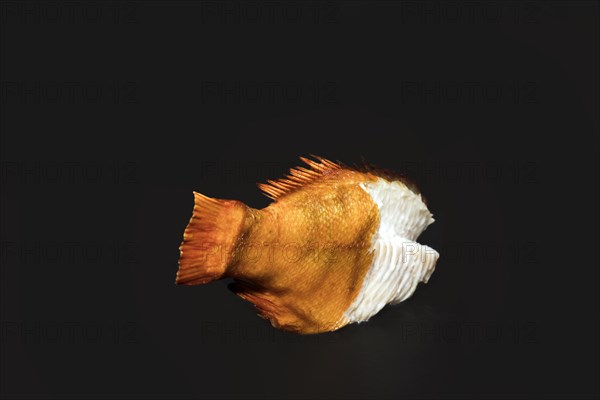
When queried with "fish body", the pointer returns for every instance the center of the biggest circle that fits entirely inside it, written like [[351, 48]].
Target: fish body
[[335, 246]]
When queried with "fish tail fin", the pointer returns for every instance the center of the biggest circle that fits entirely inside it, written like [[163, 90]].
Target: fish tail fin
[[210, 239]]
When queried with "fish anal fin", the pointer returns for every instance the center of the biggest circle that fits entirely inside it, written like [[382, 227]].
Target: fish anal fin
[[268, 306]]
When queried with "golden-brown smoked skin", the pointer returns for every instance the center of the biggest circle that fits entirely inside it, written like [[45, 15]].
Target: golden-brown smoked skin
[[302, 260]]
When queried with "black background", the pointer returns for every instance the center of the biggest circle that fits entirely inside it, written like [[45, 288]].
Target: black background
[[113, 114]]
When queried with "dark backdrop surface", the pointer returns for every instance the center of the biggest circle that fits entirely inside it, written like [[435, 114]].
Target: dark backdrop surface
[[112, 114]]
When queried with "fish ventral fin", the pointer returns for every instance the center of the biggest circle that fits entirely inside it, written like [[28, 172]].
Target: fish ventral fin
[[299, 177]]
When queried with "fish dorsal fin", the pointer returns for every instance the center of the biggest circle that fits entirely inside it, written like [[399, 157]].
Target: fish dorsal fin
[[298, 177]]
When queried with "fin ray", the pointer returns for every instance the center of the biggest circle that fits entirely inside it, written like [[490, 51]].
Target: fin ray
[[298, 177], [209, 239]]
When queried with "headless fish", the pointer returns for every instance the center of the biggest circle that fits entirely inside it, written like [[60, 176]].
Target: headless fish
[[336, 246]]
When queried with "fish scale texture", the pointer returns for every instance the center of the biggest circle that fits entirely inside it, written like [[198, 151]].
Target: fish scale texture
[[335, 247]]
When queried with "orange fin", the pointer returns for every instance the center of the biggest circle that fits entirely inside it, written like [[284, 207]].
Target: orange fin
[[267, 305], [209, 239], [298, 177]]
